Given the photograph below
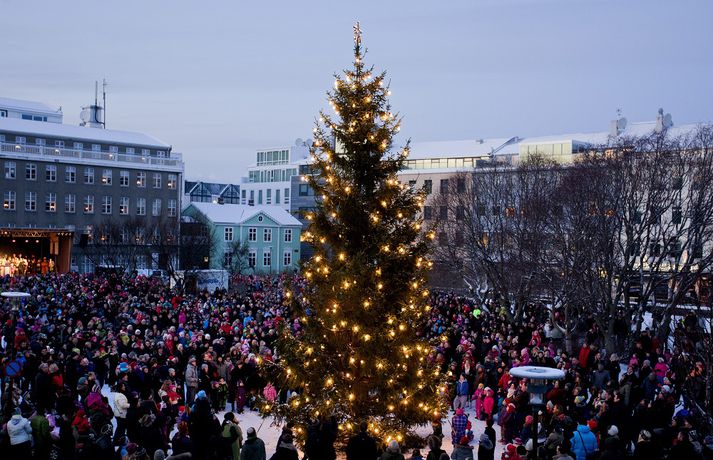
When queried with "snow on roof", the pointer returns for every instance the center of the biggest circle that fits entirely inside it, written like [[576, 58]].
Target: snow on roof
[[239, 213], [30, 106], [464, 148], [638, 129], [110, 136]]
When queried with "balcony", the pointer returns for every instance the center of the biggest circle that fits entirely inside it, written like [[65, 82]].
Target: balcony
[[174, 162]]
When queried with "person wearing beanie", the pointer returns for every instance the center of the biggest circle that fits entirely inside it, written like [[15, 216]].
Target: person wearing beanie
[[361, 445], [254, 447], [20, 433], [434, 445], [510, 453], [459, 425], [463, 450], [486, 448], [392, 452], [232, 436], [286, 450]]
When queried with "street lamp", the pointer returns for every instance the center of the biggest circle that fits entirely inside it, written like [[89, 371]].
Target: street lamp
[[13, 368], [537, 379]]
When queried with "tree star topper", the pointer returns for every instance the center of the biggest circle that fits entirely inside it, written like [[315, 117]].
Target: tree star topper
[[357, 34]]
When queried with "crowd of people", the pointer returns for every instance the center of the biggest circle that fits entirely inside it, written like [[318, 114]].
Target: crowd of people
[[173, 363], [20, 265]]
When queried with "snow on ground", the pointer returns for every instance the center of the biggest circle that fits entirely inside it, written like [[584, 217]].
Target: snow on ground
[[269, 432]]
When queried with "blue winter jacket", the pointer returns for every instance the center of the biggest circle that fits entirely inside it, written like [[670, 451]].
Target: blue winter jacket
[[583, 442]]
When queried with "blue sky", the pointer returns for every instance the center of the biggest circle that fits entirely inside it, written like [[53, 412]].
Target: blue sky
[[220, 79]]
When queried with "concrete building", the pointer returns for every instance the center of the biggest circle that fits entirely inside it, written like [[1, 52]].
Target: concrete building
[[114, 190], [269, 180], [271, 234]]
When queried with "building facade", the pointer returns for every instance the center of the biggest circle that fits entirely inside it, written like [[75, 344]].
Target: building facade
[[270, 235], [118, 191], [269, 181]]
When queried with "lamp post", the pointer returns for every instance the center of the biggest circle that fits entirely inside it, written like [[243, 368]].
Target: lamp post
[[537, 379], [15, 298]]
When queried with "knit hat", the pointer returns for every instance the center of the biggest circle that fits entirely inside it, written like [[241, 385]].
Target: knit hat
[[159, 455], [201, 395], [529, 420], [434, 442], [393, 447], [613, 430], [460, 411], [511, 449], [251, 433], [464, 441]]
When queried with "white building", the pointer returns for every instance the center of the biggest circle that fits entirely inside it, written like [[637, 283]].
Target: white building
[[29, 110], [268, 180]]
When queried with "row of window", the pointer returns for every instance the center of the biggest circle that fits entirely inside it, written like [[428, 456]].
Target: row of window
[[70, 175], [272, 175], [22, 140], [70, 201], [228, 234], [266, 258], [281, 196]]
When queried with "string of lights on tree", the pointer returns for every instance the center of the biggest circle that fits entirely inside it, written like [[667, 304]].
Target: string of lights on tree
[[360, 355]]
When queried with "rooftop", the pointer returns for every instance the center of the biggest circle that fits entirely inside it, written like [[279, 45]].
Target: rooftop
[[239, 213], [109, 136], [30, 106], [464, 148]]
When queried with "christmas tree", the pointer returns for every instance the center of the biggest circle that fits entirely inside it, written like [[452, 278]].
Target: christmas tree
[[360, 355]]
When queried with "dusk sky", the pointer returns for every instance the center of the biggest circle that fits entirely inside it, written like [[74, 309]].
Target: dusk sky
[[220, 79]]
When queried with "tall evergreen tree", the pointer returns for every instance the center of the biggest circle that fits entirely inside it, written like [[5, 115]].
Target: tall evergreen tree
[[361, 355]]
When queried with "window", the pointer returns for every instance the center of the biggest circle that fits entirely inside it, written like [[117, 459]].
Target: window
[[106, 176], [444, 186], [268, 196], [130, 150], [277, 196], [156, 207], [88, 175], [460, 213], [30, 201], [427, 213], [145, 152], [141, 179], [304, 190], [252, 258], [70, 174], [172, 181], [51, 202], [443, 213], [9, 200], [31, 171], [172, 208], [442, 239], [20, 139], [10, 170], [124, 206], [259, 197], [39, 141], [287, 196], [459, 239], [78, 145], [124, 178], [70, 202], [228, 233], [266, 258], [480, 209], [287, 258], [460, 185], [113, 149], [59, 144], [288, 235], [3, 113], [96, 148], [252, 234], [106, 204], [51, 173], [156, 180], [161, 153], [89, 204], [676, 215], [243, 197], [141, 206], [267, 235]]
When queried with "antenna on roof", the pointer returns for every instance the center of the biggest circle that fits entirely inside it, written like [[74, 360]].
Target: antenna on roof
[[104, 85]]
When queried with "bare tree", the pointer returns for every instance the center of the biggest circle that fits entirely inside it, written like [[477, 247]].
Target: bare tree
[[236, 257]]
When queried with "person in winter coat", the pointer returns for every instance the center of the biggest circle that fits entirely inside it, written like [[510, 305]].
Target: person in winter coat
[[361, 445], [231, 430], [285, 449], [462, 393], [459, 424], [583, 442], [191, 380], [562, 453], [20, 433], [42, 440], [486, 449], [254, 447], [121, 405], [392, 452], [434, 445], [488, 403], [463, 450]]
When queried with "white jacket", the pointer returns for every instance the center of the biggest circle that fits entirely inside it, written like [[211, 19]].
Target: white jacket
[[120, 405], [19, 430]]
